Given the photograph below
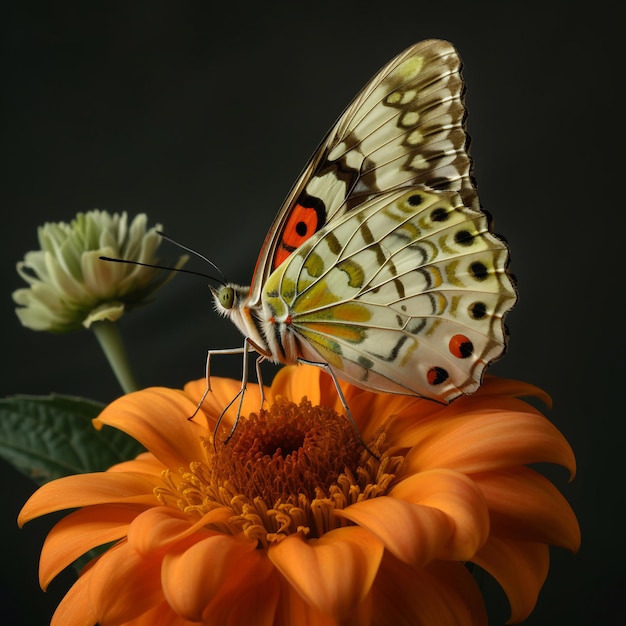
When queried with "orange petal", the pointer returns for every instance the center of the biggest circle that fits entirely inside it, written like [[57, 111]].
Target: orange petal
[[409, 413], [78, 533], [157, 528], [520, 568], [294, 610], [143, 463], [459, 498], [124, 585], [441, 594], [413, 533], [249, 602], [396, 412], [160, 614], [194, 575], [420, 419], [494, 385], [333, 573], [75, 608], [162, 526], [525, 505], [87, 489], [477, 442], [296, 381], [158, 418]]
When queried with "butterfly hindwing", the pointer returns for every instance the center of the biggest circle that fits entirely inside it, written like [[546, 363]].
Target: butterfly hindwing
[[404, 294]]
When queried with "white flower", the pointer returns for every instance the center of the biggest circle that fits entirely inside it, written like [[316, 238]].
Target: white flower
[[71, 287]]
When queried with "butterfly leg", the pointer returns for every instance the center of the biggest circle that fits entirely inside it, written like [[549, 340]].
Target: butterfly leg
[[207, 373], [326, 367], [259, 378], [247, 347]]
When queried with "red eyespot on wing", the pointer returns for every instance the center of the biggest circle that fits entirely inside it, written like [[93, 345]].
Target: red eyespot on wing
[[302, 223], [437, 375], [461, 347]]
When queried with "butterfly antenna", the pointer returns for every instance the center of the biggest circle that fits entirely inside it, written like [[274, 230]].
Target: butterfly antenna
[[160, 267], [223, 280]]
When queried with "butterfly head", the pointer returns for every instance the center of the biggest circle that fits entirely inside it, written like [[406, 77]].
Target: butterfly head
[[233, 301], [230, 300], [224, 297]]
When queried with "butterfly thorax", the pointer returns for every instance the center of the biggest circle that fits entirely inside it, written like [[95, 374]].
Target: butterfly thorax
[[270, 336]]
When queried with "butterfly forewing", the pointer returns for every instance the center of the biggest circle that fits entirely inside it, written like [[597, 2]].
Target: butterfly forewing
[[404, 294], [405, 128]]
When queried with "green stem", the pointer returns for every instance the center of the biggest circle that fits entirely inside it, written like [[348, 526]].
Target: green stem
[[110, 340]]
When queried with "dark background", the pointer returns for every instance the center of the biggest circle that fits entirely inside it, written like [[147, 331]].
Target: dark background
[[203, 118]]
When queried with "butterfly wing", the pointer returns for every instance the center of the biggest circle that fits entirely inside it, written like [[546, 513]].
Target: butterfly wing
[[405, 293], [405, 128]]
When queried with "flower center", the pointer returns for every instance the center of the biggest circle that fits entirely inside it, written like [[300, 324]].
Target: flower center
[[286, 471]]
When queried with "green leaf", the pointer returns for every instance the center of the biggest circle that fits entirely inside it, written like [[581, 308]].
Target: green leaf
[[46, 437]]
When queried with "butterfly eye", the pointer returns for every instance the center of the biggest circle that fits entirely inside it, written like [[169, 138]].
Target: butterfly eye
[[226, 296]]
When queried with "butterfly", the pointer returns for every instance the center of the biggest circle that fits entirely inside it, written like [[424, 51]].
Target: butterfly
[[380, 265]]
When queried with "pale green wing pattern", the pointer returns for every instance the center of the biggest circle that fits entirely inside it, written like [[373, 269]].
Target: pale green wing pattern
[[404, 294]]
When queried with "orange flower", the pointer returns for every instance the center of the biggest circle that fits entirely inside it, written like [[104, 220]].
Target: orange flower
[[291, 522]]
